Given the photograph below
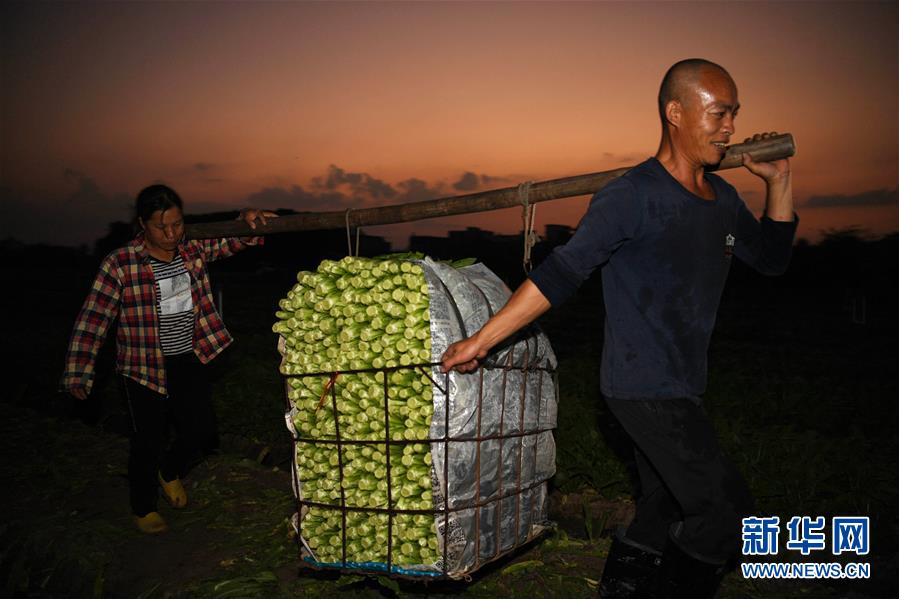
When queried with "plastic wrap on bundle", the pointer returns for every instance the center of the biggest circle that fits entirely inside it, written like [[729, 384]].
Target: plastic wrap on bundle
[[499, 483], [494, 488]]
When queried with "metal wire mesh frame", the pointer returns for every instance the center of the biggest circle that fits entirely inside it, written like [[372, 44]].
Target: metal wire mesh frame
[[392, 569]]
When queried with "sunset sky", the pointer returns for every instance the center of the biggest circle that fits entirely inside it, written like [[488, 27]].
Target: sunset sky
[[325, 106]]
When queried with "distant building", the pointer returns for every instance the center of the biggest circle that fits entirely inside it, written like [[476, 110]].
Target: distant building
[[470, 242]]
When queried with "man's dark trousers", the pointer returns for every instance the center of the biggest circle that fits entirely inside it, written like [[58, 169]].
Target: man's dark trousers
[[691, 493]]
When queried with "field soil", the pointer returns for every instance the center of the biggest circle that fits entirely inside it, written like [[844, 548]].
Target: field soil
[[67, 532]]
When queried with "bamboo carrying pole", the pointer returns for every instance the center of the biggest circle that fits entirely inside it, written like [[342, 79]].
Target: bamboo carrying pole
[[772, 148]]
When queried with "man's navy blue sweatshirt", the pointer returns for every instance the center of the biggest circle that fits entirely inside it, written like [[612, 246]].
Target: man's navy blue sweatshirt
[[665, 253]]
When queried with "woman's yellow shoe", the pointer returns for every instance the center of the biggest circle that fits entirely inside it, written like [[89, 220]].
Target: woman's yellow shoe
[[151, 524], [174, 492]]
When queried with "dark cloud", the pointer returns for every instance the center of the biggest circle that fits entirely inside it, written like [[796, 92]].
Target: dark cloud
[[875, 197], [359, 183], [467, 182], [80, 216], [470, 181], [417, 190], [298, 198], [87, 193], [83, 213], [339, 189]]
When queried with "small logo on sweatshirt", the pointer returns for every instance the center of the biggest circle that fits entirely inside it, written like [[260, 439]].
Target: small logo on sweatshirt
[[729, 245]]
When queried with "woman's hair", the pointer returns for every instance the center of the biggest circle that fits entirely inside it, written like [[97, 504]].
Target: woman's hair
[[156, 197]]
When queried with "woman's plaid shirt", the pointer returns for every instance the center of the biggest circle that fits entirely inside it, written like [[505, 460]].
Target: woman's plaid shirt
[[125, 288]]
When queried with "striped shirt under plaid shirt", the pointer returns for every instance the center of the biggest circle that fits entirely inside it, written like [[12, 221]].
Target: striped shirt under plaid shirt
[[126, 288], [174, 306]]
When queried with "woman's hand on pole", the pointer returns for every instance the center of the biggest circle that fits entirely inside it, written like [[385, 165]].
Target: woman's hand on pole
[[252, 215]]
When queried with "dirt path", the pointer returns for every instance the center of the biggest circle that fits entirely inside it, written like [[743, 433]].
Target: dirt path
[[68, 529]]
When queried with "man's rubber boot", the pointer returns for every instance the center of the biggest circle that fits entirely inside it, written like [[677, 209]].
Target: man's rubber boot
[[686, 577], [174, 492], [631, 571], [151, 524]]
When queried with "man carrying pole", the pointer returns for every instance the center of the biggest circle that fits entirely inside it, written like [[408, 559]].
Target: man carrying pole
[[664, 235]]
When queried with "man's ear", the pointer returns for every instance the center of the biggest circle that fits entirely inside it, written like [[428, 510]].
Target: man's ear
[[674, 112]]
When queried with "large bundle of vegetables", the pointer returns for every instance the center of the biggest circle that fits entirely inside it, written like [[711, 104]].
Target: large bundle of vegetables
[[362, 314], [355, 314], [448, 471]]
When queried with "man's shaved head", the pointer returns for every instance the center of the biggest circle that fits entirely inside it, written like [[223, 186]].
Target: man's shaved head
[[681, 78]]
